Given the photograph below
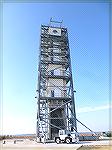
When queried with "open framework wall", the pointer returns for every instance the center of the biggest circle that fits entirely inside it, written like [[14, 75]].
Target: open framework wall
[[55, 95]]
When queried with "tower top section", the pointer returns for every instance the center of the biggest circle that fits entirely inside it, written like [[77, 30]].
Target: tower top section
[[55, 23], [54, 28]]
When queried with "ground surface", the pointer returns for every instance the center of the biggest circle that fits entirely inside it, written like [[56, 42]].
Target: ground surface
[[32, 145], [96, 148]]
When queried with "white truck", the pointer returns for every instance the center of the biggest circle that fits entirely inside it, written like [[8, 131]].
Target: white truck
[[67, 137]]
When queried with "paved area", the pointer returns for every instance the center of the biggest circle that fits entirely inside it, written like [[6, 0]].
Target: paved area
[[33, 145]]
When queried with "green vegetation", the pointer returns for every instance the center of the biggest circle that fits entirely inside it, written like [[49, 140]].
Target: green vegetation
[[107, 134], [2, 137]]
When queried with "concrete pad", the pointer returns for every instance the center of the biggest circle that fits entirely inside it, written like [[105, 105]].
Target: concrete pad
[[33, 145]]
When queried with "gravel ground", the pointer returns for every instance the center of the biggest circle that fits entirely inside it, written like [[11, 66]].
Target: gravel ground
[[32, 145]]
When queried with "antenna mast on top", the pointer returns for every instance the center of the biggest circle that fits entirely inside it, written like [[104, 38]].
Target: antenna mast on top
[[53, 22]]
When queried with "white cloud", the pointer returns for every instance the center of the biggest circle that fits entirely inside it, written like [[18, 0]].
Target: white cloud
[[19, 125], [90, 109]]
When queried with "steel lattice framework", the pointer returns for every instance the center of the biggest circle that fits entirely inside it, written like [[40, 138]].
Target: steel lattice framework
[[55, 94]]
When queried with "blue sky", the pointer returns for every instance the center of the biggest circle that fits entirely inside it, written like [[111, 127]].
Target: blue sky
[[88, 31]]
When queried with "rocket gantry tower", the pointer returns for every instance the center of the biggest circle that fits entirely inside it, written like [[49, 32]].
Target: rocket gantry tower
[[55, 93]]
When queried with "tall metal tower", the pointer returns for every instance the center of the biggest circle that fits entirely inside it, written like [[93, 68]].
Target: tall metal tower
[[55, 93]]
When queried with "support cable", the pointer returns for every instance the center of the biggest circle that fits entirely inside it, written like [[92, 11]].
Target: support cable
[[82, 123]]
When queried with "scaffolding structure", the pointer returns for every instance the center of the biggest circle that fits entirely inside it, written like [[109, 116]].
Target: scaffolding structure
[[55, 93]]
